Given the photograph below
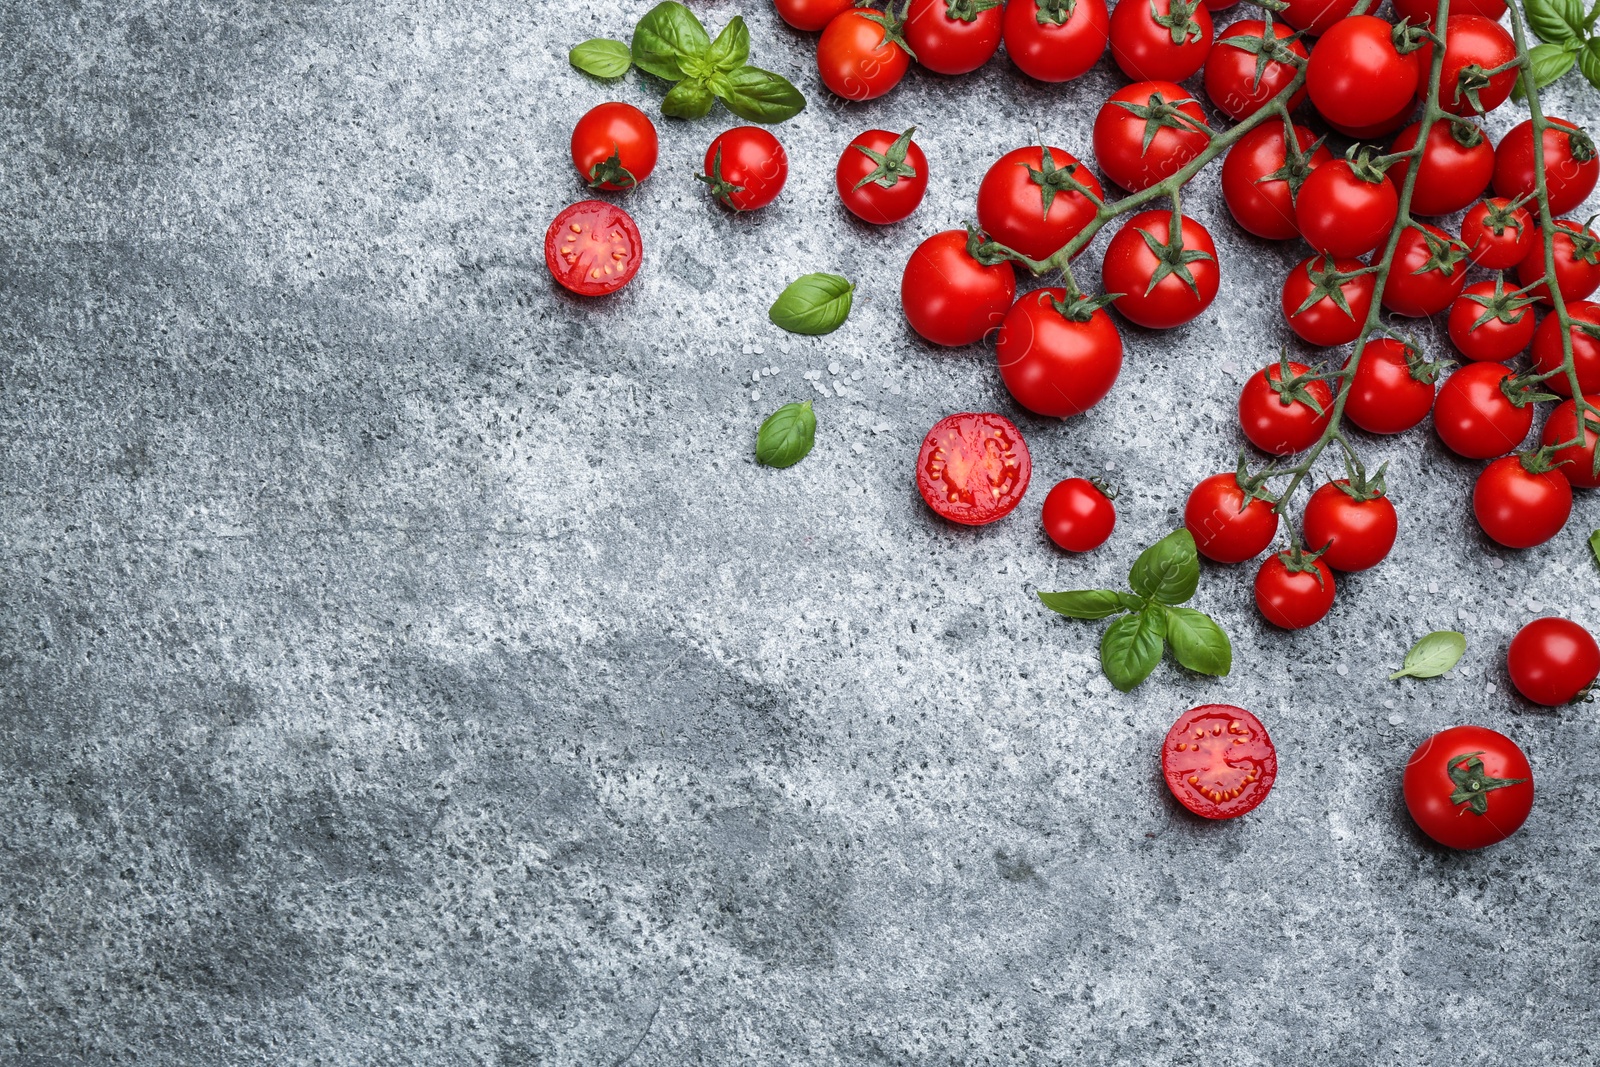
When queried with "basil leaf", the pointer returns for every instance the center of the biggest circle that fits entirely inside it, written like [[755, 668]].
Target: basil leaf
[[1432, 656], [666, 36], [787, 435], [758, 95], [1556, 21], [1594, 545], [689, 99], [1589, 63], [732, 46], [1198, 643], [601, 57], [1131, 648], [813, 304], [1546, 63], [1085, 603], [1169, 570]]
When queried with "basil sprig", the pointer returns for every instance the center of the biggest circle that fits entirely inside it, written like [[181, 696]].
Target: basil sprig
[[1150, 619], [813, 304], [1569, 36]]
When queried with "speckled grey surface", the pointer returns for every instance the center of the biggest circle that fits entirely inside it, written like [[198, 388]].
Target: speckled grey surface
[[404, 663]]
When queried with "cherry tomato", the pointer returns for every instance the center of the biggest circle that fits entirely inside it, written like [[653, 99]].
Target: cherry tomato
[[1078, 515], [593, 248], [1341, 213], [1356, 77], [1237, 81], [1218, 761], [950, 298], [1547, 354], [973, 468], [858, 57], [1228, 524], [1519, 507], [1029, 203], [1552, 660], [1315, 16], [1284, 417], [1497, 235], [1418, 12], [1452, 174], [1475, 417], [1053, 363], [1352, 534], [1056, 40], [1470, 40], [1577, 255], [1392, 391], [1162, 284], [1570, 164], [1257, 182], [1293, 598], [1487, 325], [614, 146], [881, 178], [811, 15], [746, 167], [952, 36], [1309, 304], [1144, 133], [1575, 462], [1147, 50], [1429, 271], [1468, 786]]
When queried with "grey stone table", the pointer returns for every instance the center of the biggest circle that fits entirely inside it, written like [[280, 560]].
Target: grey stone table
[[404, 663]]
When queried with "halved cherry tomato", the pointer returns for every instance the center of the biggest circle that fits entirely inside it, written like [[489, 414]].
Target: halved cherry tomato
[[1079, 515], [1293, 593], [1488, 324], [1325, 300], [745, 168], [1218, 761], [881, 178], [1552, 660], [1238, 81], [1571, 165], [1470, 40], [1284, 416], [1577, 255], [1147, 131], [1056, 40], [1393, 389], [614, 146], [1030, 203], [1468, 787], [973, 468], [1497, 235], [1356, 76], [1170, 49], [1576, 461], [593, 248], [1353, 529], [1475, 416], [950, 298], [1340, 212], [1162, 284], [1453, 172], [1057, 362], [1548, 357], [860, 57], [1519, 506], [952, 36], [1229, 524], [1258, 183], [1429, 271]]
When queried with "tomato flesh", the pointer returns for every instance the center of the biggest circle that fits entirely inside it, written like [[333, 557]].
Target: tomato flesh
[[1218, 761], [593, 248], [973, 467]]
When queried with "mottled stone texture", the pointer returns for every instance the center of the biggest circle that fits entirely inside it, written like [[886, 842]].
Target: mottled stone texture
[[404, 663]]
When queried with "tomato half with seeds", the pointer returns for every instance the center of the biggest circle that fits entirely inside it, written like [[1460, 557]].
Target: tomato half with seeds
[[1498, 236], [1488, 324], [1056, 40], [1571, 165], [1315, 16], [950, 298], [811, 15], [858, 57], [973, 467], [1552, 660], [1520, 504], [1342, 212], [745, 168], [614, 146], [882, 177], [1031, 199], [1258, 183], [1079, 514], [1393, 389], [1455, 169], [1238, 82], [1356, 76], [1548, 357], [1162, 284], [593, 248], [1293, 593], [1576, 461], [1577, 257], [1218, 761], [952, 36], [1353, 527], [1470, 40], [1229, 524], [1325, 300], [1468, 786], [1147, 131], [1057, 359], [1283, 415], [1146, 49], [1429, 271], [1474, 414]]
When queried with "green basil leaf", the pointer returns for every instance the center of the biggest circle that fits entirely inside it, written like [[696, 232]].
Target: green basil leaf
[[732, 46], [666, 36], [1432, 656], [601, 57], [689, 99], [1546, 63], [1198, 643], [1556, 21], [787, 435], [1085, 603], [813, 304], [1131, 648], [758, 95], [1169, 570], [1594, 545], [1589, 63]]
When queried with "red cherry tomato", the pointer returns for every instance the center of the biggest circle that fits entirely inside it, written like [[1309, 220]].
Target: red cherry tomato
[[1391, 391], [1218, 761], [1486, 327], [1293, 599], [1469, 40], [1548, 357], [1468, 786], [1475, 417], [811, 15], [952, 36], [1518, 507], [1552, 660], [1452, 174], [1078, 515], [1309, 304], [1235, 80], [1284, 418], [1054, 364], [746, 167], [973, 468], [1356, 77], [614, 146], [593, 248], [1419, 12], [1497, 235], [1352, 534], [1575, 462], [1228, 525], [1162, 284], [1577, 255], [1340, 213], [1147, 50], [1144, 133], [1255, 180], [1429, 271], [1570, 164], [1056, 40], [881, 178], [1316, 16], [859, 58], [950, 298], [1014, 192]]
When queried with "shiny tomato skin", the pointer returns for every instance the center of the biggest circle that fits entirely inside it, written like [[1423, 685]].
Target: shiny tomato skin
[[1279, 428], [1264, 208], [1324, 322], [1570, 165], [754, 167], [1385, 397], [1129, 265], [1356, 77], [1316, 16], [1551, 660], [1428, 787], [1377, 130], [1011, 203], [1053, 365], [593, 248], [1474, 417], [1548, 357], [1519, 508], [1056, 53], [1497, 251], [1119, 145], [1451, 175], [1414, 289], [1351, 534], [1340, 214], [1576, 276], [811, 15], [946, 45], [1470, 39], [614, 129], [973, 468], [872, 202], [1143, 48], [1227, 526], [1575, 462], [856, 61], [950, 298], [1231, 82], [1493, 341], [1078, 516], [1218, 761], [1293, 600], [1420, 12]]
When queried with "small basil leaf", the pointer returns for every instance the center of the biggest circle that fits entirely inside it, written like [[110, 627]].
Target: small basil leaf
[[1130, 649], [813, 304], [1546, 63], [666, 36], [1589, 63], [602, 58], [732, 46], [787, 435], [1432, 656], [1084, 603], [1594, 545], [689, 99], [758, 95], [1198, 643], [1556, 21], [1169, 570]]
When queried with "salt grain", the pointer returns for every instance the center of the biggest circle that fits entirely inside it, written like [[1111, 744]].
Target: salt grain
[[858, 448], [1395, 719], [835, 367], [755, 394], [749, 350], [855, 376]]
